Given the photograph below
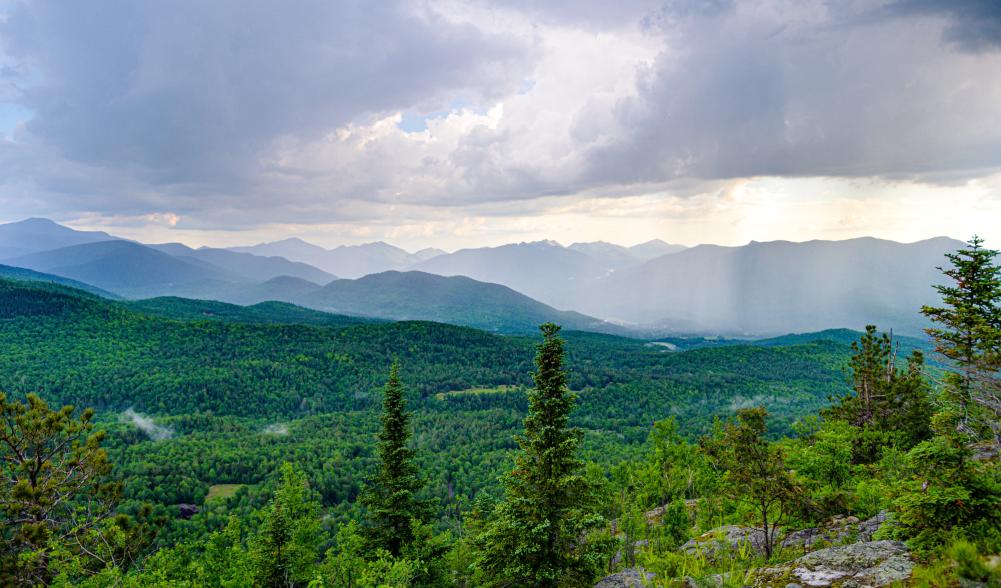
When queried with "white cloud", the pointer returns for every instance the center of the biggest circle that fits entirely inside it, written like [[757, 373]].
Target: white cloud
[[145, 424], [276, 429]]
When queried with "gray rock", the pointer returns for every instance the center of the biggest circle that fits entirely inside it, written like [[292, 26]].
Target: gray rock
[[630, 578], [656, 515], [714, 581], [872, 564], [806, 538], [842, 529], [726, 537], [868, 527]]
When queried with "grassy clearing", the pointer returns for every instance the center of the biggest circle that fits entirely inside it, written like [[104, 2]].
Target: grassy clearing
[[475, 391], [222, 491]]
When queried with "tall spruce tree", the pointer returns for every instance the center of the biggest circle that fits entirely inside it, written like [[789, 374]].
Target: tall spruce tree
[[538, 535], [968, 333], [391, 495]]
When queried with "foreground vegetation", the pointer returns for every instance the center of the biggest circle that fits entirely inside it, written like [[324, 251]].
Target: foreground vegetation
[[321, 480]]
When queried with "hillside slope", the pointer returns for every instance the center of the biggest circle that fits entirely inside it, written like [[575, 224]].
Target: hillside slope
[[27, 275], [261, 313], [456, 300], [73, 347], [124, 267]]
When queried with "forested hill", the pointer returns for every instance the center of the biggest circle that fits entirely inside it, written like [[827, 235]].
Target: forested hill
[[9, 272], [73, 347], [457, 299], [271, 312]]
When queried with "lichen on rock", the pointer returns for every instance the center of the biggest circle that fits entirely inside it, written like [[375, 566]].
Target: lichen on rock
[[873, 564]]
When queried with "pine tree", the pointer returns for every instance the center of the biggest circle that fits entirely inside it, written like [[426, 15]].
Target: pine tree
[[287, 546], [538, 535], [57, 499], [889, 404], [968, 333], [394, 509]]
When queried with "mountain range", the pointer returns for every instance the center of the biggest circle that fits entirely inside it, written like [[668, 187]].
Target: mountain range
[[39, 234], [776, 287], [755, 290], [347, 261]]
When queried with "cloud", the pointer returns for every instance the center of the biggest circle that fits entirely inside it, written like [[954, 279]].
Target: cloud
[[186, 101], [788, 89], [145, 424], [194, 116], [276, 429], [972, 25]]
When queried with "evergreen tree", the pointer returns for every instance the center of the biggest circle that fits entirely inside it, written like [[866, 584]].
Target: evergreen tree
[[57, 500], [539, 534], [947, 495], [890, 405], [394, 509], [968, 333], [286, 548], [674, 468]]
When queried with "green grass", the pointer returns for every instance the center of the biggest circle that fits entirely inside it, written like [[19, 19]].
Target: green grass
[[503, 389], [222, 491]]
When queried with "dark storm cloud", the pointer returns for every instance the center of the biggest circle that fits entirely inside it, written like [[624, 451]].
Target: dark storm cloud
[[191, 91], [788, 89], [974, 25]]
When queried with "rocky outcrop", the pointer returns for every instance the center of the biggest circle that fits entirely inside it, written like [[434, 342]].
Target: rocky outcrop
[[841, 530], [867, 564], [867, 528], [656, 515], [630, 578], [724, 538]]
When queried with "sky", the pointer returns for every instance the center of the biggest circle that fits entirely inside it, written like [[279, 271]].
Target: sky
[[453, 123]]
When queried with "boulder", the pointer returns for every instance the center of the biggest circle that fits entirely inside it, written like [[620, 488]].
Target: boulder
[[629, 578], [867, 564], [656, 515], [713, 581]]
